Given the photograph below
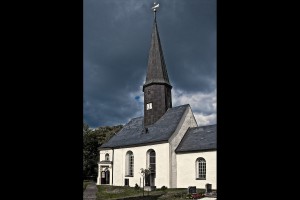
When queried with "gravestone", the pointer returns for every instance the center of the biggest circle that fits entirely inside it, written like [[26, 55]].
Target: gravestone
[[208, 188], [191, 190]]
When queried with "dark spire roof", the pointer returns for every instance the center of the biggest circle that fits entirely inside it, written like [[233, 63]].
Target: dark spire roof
[[156, 70]]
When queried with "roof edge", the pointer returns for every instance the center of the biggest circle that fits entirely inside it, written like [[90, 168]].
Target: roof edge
[[157, 83], [137, 145], [194, 151]]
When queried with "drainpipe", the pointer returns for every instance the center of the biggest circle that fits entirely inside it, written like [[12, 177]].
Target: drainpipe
[[112, 168]]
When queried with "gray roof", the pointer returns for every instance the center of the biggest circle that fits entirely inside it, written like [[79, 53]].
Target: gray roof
[[134, 134], [199, 139], [156, 70]]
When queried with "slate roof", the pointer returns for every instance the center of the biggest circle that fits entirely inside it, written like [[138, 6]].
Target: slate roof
[[198, 139], [134, 134], [156, 70]]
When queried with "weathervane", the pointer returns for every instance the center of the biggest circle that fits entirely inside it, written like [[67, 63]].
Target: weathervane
[[155, 6]]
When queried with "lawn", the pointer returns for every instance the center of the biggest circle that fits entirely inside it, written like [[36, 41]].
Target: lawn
[[106, 192]]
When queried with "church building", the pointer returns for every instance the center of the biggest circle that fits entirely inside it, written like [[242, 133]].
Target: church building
[[166, 140]]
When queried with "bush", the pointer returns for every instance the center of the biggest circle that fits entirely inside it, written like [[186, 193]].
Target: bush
[[163, 188], [136, 187]]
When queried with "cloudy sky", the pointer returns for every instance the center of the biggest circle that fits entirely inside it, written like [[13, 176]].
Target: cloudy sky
[[116, 40]]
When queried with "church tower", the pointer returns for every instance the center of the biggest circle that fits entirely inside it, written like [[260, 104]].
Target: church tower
[[157, 88]]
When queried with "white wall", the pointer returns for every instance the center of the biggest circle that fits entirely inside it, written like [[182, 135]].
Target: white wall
[[162, 165], [188, 120], [186, 171], [102, 154]]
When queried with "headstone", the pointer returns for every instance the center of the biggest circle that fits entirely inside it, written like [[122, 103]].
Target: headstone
[[208, 188], [191, 190]]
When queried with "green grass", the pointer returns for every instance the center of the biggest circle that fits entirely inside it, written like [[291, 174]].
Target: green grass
[[106, 192], [115, 192]]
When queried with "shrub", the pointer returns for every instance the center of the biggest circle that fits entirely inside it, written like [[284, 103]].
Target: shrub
[[136, 187], [163, 188]]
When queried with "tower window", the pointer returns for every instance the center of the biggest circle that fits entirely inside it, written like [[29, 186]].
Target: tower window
[[107, 157], [149, 106]]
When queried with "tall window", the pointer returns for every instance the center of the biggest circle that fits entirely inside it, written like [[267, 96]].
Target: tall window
[[200, 169], [107, 157], [152, 161], [129, 164]]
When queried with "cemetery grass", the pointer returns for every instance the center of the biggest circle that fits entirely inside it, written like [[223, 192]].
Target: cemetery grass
[[106, 192]]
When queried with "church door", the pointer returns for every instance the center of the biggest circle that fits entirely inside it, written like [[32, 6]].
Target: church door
[[102, 177], [149, 179], [105, 177]]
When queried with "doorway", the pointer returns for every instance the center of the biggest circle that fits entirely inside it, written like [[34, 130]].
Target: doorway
[[105, 177]]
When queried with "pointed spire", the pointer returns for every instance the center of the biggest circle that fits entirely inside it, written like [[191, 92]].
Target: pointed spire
[[156, 70]]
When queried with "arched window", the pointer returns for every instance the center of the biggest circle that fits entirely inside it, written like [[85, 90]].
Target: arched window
[[200, 169], [151, 164], [129, 162], [107, 157], [152, 161]]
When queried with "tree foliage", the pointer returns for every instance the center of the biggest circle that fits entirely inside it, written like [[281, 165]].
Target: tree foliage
[[92, 140]]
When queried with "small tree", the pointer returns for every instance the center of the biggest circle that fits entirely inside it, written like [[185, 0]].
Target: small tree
[[144, 173]]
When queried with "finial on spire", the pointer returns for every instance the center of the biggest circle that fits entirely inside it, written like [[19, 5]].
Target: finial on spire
[[155, 6]]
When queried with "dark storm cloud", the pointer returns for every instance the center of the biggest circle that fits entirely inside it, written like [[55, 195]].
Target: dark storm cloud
[[117, 37]]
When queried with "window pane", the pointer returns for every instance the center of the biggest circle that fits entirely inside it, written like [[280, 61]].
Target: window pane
[[152, 159], [201, 168], [129, 163]]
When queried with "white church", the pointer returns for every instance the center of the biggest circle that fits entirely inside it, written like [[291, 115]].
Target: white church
[[166, 140]]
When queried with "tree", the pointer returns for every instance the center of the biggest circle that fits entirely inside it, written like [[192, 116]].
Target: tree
[[92, 140], [144, 173], [90, 152]]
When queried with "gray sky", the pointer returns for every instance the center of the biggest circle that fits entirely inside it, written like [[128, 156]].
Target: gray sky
[[116, 40]]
